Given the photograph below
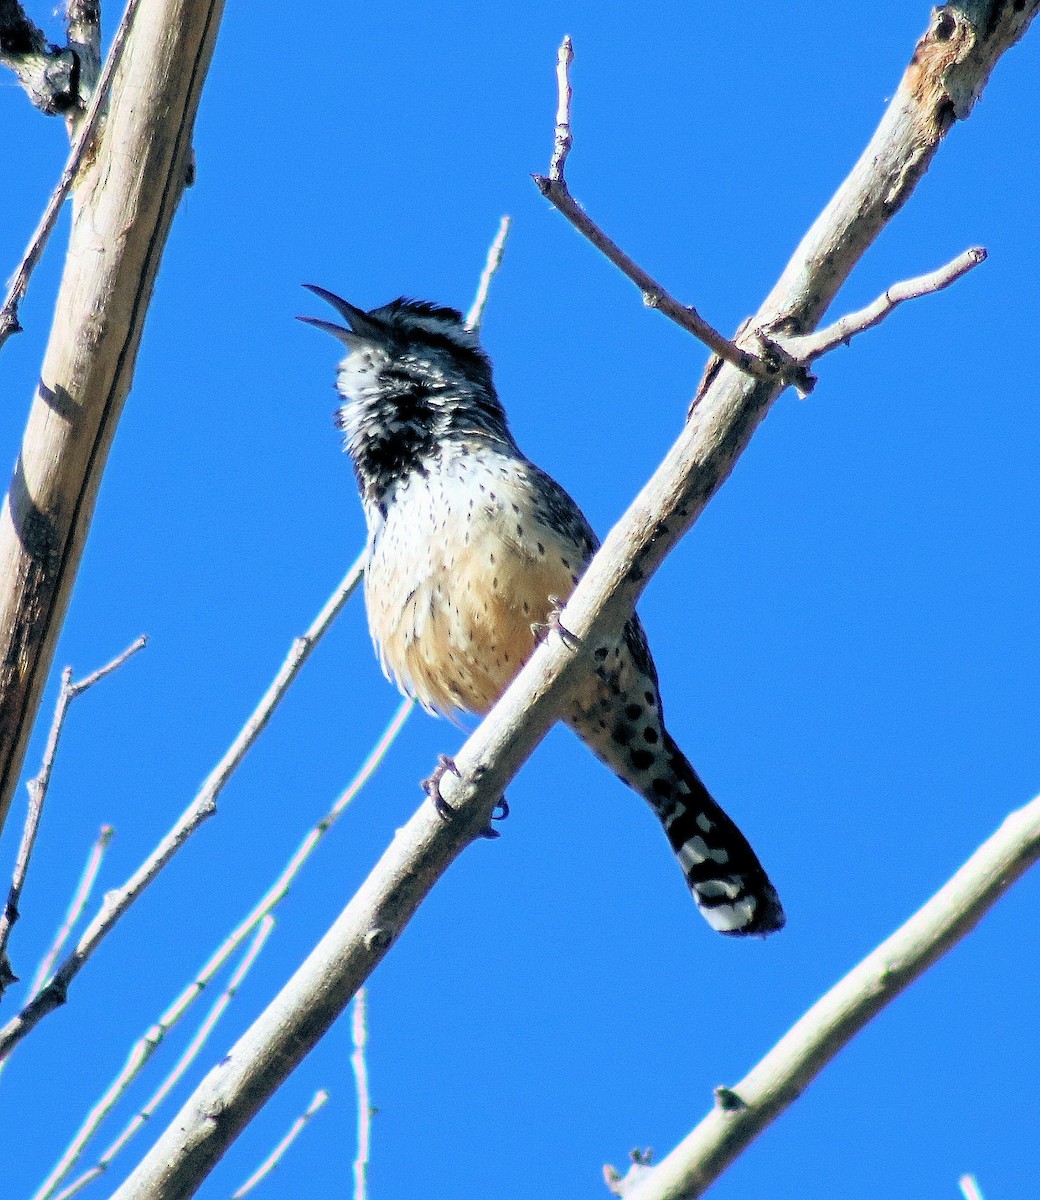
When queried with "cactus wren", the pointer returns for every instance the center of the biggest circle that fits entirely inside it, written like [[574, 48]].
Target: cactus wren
[[470, 547]]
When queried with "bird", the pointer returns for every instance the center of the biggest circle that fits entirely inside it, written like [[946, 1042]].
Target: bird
[[471, 550]]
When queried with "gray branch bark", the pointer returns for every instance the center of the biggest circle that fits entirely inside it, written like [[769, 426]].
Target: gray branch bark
[[124, 204], [949, 68]]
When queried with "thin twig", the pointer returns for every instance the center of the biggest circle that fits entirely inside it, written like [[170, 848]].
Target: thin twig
[[554, 188], [80, 146], [812, 345], [175, 1012], [359, 1038], [276, 1155], [563, 138], [747, 1108], [969, 1187], [895, 159], [491, 266], [203, 806], [76, 906], [139, 1055], [38, 794]]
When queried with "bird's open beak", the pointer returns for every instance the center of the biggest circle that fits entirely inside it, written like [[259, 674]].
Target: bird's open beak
[[362, 327]]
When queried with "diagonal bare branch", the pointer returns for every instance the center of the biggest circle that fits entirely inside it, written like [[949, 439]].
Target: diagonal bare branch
[[949, 68], [118, 901], [742, 1112], [38, 794]]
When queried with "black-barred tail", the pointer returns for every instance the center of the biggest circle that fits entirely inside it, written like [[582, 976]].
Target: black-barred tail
[[722, 871], [617, 713]]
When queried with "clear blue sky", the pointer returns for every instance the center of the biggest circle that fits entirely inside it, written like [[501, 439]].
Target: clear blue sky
[[847, 639]]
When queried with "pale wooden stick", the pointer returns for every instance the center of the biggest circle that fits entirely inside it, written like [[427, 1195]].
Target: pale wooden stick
[[202, 807], [743, 1111], [38, 794], [76, 907], [175, 1012], [88, 126], [139, 1056], [494, 260], [812, 345], [359, 1063], [954, 53]]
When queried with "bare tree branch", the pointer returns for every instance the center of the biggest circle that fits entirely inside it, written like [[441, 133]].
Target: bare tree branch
[[140, 1054], [743, 1111], [124, 202], [812, 346], [494, 261], [278, 1153], [81, 144], [554, 188], [38, 794], [201, 808], [75, 909], [359, 1063], [178, 1009], [950, 65]]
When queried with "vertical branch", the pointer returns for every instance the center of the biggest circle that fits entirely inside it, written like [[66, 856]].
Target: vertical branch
[[126, 198], [359, 1037]]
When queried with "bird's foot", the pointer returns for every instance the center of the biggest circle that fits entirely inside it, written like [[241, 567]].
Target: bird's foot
[[432, 786], [498, 813], [553, 624]]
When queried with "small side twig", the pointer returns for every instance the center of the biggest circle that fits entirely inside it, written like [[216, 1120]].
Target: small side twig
[[811, 346], [359, 1037], [276, 1155], [139, 1055], [78, 152], [563, 139], [175, 1012], [201, 808], [491, 266], [76, 906], [38, 794], [554, 188]]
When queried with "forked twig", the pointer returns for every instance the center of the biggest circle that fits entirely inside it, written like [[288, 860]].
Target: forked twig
[[202, 807], [554, 188], [38, 794], [139, 1055], [143, 1049], [80, 145]]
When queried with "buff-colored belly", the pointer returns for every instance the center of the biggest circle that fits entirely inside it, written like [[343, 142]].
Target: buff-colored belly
[[452, 597]]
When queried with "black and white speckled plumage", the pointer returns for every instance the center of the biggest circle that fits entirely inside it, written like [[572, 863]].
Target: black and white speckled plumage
[[469, 546]]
